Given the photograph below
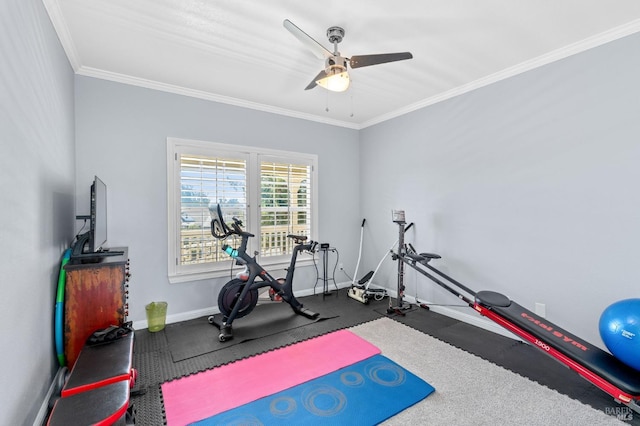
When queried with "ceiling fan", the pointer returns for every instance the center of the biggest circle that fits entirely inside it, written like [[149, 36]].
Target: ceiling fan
[[335, 76]]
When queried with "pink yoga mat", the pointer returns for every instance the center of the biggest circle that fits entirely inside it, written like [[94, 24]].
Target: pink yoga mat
[[205, 394]]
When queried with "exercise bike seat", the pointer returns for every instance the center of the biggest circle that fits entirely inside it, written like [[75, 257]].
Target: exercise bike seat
[[592, 358]]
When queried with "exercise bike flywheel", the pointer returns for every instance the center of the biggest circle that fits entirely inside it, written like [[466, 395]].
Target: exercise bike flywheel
[[228, 297]]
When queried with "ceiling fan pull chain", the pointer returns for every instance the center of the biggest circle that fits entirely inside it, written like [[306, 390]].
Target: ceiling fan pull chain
[[351, 105], [326, 108]]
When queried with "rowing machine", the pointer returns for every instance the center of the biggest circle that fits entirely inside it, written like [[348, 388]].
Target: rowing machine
[[592, 363]]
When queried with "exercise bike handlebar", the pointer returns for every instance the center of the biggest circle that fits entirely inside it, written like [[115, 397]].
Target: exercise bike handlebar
[[221, 231], [300, 246], [237, 228]]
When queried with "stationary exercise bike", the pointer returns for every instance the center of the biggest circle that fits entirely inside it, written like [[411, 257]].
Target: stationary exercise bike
[[238, 297]]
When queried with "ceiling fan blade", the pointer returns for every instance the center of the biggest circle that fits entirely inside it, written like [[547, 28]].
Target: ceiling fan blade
[[366, 60], [316, 48], [313, 84]]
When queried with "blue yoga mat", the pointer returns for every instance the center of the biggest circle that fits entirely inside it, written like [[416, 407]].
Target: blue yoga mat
[[365, 393]]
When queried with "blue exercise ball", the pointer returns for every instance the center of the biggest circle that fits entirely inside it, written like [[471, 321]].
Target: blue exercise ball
[[620, 331]]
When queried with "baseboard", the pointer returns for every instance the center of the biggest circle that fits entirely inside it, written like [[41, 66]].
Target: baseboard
[[478, 321], [179, 317], [467, 317], [470, 317], [41, 417], [189, 315]]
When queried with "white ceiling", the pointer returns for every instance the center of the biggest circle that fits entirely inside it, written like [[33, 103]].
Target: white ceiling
[[238, 52]]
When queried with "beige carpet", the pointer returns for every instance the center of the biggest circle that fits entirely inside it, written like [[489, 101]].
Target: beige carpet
[[470, 390]]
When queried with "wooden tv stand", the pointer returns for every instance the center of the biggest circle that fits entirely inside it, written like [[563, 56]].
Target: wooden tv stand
[[95, 297]]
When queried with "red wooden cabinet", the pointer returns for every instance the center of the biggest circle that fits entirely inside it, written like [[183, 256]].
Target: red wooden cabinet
[[95, 297]]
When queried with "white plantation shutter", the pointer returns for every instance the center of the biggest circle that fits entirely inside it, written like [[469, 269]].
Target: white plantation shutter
[[285, 205], [206, 182], [272, 192]]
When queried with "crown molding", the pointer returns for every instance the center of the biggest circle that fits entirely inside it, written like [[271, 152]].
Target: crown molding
[[62, 30], [556, 55], [150, 84]]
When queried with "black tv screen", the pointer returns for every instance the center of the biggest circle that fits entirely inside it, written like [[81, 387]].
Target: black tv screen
[[98, 215], [92, 242]]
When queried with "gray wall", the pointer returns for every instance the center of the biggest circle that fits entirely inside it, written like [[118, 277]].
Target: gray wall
[[37, 178], [528, 186], [121, 137]]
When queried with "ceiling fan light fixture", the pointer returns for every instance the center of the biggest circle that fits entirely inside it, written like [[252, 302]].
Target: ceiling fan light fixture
[[336, 79], [334, 76]]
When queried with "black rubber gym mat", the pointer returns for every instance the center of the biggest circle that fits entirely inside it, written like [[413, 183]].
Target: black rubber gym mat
[[192, 338]]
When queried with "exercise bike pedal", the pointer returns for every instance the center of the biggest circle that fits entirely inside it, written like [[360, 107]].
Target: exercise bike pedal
[[275, 296]]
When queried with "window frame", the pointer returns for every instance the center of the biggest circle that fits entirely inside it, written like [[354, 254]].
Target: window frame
[[253, 155]]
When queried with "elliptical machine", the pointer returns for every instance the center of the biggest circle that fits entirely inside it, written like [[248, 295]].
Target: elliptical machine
[[360, 291], [238, 297]]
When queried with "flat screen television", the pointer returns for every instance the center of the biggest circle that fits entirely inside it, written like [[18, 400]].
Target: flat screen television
[[98, 215], [92, 243]]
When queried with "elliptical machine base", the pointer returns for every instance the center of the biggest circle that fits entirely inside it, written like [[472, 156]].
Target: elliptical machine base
[[364, 294], [358, 294]]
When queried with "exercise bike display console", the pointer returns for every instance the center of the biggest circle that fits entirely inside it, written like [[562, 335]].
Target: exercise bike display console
[[239, 296]]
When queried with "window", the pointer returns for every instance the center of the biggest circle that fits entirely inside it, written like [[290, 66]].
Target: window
[[272, 192]]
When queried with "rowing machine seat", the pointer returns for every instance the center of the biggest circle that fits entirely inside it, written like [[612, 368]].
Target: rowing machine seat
[[491, 298], [422, 257], [430, 255]]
